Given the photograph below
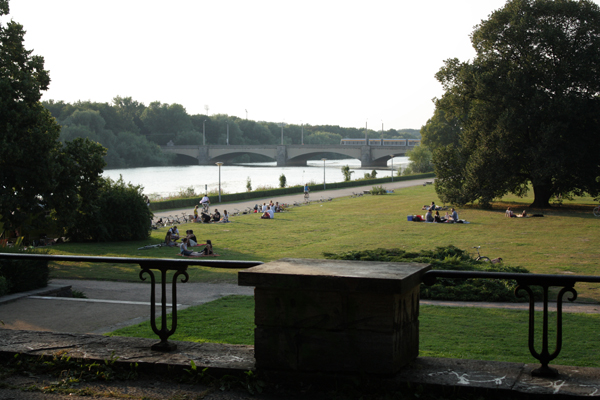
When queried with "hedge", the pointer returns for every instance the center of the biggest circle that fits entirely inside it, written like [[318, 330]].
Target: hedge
[[23, 275], [259, 194]]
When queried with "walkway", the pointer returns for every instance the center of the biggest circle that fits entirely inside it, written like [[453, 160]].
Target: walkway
[[291, 198]]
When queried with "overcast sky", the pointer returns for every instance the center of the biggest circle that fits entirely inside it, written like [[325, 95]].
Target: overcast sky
[[345, 63]]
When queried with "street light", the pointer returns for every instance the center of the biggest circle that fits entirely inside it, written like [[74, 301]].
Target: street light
[[324, 159], [203, 133], [227, 133], [219, 164], [392, 158]]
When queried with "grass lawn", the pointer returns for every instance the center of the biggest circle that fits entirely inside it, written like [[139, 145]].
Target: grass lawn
[[467, 333], [564, 241]]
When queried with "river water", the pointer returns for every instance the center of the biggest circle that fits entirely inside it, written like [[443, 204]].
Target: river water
[[162, 182]]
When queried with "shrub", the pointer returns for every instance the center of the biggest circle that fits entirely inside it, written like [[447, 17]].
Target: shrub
[[23, 275], [3, 286], [376, 190], [118, 213], [282, 181], [347, 173], [449, 258]]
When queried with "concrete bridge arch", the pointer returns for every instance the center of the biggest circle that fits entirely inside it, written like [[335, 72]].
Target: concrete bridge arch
[[289, 155]]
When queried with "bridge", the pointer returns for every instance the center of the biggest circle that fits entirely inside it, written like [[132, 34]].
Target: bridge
[[289, 155]]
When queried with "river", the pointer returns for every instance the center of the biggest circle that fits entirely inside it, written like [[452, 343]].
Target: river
[[162, 182]]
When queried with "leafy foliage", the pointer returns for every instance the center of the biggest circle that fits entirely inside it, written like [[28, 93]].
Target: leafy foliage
[[23, 275], [28, 132], [377, 190], [525, 110], [116, 212], [447, 258], [347, 173], [282, 181], [420, 160]]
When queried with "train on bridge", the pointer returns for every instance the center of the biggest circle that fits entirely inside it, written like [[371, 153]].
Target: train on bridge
[[380, 142]]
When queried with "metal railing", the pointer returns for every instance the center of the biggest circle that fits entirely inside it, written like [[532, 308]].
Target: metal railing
[[524, 281], [164, 265]]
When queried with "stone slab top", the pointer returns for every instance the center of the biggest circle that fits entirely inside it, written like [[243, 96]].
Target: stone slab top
[[334, 275]]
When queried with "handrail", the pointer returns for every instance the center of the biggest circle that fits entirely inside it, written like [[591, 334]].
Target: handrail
[[233, 264], [567, 282], [147, 264]]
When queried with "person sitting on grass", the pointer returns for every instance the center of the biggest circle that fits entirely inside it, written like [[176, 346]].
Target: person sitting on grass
[[169, 240], [196, 213], [266, 214], [204, 217], [192, 241], [437, 218], [183, 248], [429, 216], [523, 215], [509, 213], [174, 232], [454, 216], [225, 217], [216, 217]]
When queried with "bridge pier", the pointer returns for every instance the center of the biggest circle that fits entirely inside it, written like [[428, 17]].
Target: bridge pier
[[281, 156], [203, 158]]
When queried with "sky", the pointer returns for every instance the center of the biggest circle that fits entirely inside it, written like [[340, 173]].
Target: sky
[[348, 63]]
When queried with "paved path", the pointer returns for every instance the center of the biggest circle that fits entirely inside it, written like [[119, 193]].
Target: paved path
[[113, 305], [291, 198], [109, 305]]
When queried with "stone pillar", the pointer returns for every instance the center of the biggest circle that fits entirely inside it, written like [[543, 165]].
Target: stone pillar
[[281, 156], [365, 156], [203, 158], [335, 316]]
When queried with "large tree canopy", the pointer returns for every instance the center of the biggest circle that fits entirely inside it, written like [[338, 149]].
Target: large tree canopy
[[28, 133], [526, 110]]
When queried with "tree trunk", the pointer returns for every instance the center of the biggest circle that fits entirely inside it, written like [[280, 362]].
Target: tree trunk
[[542, 194]]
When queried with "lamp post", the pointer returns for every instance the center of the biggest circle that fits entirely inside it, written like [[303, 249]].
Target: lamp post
[[227, 133], [219, 164], [392, 158], [204, 133], [324, 187], [302, 135]]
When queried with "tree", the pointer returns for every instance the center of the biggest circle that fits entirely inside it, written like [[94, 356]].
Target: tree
[[420, 160], [282, 181], [28, 133], [526, 110], [347, 173]]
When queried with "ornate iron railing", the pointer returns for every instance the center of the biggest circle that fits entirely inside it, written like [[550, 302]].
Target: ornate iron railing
[[164, 265], [524, 281]]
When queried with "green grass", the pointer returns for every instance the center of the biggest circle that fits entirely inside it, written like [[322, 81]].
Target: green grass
[[468, 333], [229, 319], [565, 241]]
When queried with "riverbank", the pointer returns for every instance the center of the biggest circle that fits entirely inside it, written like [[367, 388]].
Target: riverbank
[[292, 198]]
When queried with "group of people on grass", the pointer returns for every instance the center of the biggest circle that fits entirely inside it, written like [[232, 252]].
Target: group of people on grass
[[429, 216], [201, 216], [189, 240], [268, 210]]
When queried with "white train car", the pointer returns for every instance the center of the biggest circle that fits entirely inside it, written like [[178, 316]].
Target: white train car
[[377, 142], [353, 142]]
